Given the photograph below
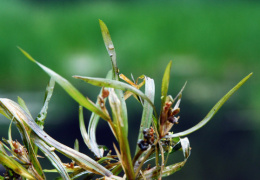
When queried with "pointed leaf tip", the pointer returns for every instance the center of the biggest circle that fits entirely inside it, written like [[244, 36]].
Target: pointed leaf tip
[[26, 54], [110, 47], [165, 83], [213, 111], [100, 21], [70, 89]]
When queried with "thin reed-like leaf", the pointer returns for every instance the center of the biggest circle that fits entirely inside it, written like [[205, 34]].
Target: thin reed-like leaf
[[2, 148], [83, 130], [23, 105], [70, 89], [76, 145], [117, 85], [10, 135], [213, 111], [20, 116], [48, 94], [51, 155], [110, 48], [93, 122], [119, 121], [165, 83], [147, 108]]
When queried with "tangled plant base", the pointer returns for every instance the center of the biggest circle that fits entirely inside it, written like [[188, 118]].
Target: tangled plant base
[[155, 140]]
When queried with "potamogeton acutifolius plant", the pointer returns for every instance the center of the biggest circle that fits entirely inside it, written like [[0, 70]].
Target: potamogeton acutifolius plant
[[155, 140]]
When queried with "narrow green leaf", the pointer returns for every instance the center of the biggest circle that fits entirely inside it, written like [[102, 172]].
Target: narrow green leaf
[[147, 108], [75, 173], [70, 89], [54, 159], [213, 111], [92, 126], [92, 135], [23, 105], [69, 170], [117, 85], [165, 83], [48, 94], [178, 96], [118, 118], [84, 131], [115, 105], [2, 111], [121, 98], [76, 145], [12, 109], [10, 134], [110, 48]]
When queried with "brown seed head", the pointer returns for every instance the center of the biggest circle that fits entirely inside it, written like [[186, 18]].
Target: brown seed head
[[105, 93]]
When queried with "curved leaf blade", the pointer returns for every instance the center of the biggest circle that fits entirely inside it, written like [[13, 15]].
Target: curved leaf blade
[[121, 129], [69, 88], [110, 48], [92, 126], [54, 159], [93, 146], [213, 111], [117, 85], [14, 110], [23, 105], [147, 115], [48, 94]]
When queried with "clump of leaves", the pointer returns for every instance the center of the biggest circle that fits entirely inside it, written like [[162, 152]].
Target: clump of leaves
[[155, 140]]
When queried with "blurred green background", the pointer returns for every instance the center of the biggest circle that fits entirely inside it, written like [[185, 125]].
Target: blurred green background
[[213, 45]]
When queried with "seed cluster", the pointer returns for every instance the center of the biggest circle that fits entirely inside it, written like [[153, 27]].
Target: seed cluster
[[102, 97], [149, 137], [19, 149], [171, 115]]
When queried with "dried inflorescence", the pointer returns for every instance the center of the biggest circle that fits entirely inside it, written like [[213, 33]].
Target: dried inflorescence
[[20, 152], [102, 97], [149, 137], [168, 116], [69, 165], [171, 116]]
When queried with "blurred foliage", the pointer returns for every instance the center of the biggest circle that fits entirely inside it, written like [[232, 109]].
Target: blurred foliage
[[212, 45], [220, 40]]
